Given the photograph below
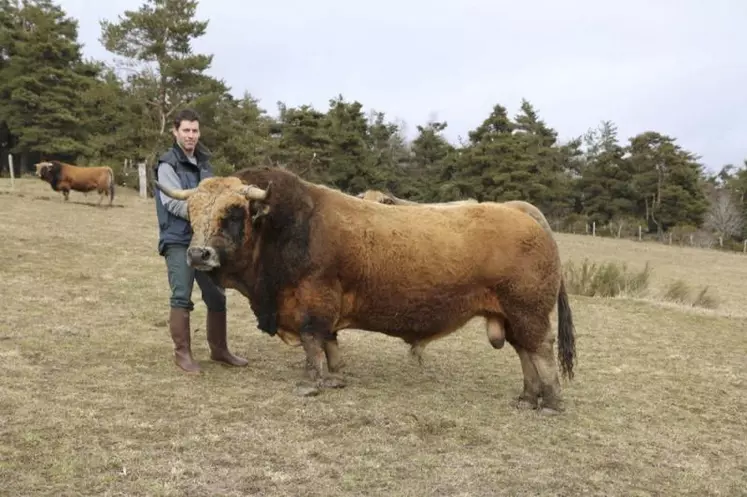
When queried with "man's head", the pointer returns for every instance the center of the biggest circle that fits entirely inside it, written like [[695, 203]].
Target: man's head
[[186, 129]]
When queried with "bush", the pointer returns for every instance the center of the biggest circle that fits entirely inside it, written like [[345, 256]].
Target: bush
[[605, 280], [680, 292]]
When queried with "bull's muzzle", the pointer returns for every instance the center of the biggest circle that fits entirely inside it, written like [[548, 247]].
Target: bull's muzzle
[[202, 258]]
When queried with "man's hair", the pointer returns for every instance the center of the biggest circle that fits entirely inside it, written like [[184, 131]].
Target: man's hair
[[185, 115]]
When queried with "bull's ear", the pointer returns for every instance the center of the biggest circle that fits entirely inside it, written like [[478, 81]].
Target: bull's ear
[[258, 209]]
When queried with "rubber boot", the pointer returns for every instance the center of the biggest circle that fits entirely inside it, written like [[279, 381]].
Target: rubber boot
[[216, 336], [180, 334]]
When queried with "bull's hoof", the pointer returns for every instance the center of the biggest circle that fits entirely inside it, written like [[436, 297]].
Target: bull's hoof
[[336, 367], [307, 390], [527, 401], [331, 382], [525, 404], [551, 407], [549, 411]]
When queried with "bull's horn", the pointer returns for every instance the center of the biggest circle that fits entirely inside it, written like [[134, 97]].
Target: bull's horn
[[177, 194], [252, 192]]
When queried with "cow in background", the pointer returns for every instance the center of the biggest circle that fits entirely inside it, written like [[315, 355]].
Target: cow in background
[[65, 177], [389, 199]]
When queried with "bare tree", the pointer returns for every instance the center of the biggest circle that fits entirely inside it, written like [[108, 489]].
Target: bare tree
[[724, 216]]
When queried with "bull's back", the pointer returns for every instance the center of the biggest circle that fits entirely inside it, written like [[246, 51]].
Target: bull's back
[[457, 245]]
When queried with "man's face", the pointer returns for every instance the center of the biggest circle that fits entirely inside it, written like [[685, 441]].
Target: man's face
[[187, 135]]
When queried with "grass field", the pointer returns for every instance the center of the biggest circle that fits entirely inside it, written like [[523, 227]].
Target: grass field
[[91, 403]]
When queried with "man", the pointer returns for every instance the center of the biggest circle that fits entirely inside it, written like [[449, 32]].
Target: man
[[184, 166]]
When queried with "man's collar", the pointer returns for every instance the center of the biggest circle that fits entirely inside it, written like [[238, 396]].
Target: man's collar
[[201, 152]]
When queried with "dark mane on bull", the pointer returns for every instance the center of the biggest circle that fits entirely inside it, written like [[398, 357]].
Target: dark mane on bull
[[281, 237], [53, 174]]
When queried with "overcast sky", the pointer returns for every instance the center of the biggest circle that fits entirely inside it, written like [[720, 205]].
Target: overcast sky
[[677, 67]]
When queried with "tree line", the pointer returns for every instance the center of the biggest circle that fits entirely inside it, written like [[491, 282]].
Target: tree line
[[56, 104]]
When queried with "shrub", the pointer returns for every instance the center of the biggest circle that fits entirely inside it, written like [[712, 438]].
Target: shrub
[[680, 292], [605, 280]]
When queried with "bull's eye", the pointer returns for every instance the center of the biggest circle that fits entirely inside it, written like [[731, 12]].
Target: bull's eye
[[233, 222]]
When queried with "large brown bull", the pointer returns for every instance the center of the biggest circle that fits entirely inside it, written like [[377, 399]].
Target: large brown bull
[[312, 261], [65, 177]]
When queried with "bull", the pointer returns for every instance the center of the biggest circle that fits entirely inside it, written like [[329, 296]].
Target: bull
[[313, 260], [64, 177]]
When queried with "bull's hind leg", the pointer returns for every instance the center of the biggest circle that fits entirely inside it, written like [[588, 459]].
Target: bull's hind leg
[[530, 396], [544, 361], [531, 336]]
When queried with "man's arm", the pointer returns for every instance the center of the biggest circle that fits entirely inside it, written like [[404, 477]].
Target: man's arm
[[168, 177]]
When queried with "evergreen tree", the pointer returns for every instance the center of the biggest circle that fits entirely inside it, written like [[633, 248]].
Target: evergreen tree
[[156, 41], [42, 80]]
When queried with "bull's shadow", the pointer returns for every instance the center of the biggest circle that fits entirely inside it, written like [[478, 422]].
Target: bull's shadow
[[104, 205]]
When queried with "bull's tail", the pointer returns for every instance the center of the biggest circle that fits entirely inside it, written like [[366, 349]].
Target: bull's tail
[[111, 186], [566, 337]]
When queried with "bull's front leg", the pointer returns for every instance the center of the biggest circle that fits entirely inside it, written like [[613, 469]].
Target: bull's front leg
[[316, 339], [335, 363]]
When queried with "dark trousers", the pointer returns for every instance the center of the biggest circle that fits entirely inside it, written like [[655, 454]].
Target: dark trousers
[[182, 278]]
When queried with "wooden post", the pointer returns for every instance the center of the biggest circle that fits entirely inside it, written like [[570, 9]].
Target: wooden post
[[142, 179], [594, 228], [639, 232], [670, 238], [692, 240], [744, 248], [12, 173]]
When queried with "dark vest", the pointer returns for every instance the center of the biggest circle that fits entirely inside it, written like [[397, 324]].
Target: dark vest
[[173, 229]]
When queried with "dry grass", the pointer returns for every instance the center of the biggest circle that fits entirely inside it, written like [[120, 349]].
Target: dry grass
[[92, 405]]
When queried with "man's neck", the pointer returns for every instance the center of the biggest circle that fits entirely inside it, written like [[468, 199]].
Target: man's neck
[[189, 153]]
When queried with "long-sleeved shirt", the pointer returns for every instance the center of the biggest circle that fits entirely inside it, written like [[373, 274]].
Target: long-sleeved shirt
[[168, 177]]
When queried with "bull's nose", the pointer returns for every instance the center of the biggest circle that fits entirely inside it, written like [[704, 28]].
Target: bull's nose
[[201, 256]]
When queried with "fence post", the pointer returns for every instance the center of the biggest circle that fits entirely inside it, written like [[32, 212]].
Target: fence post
[[639, 232], [594, 228], [12, 173], [142, 180]]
